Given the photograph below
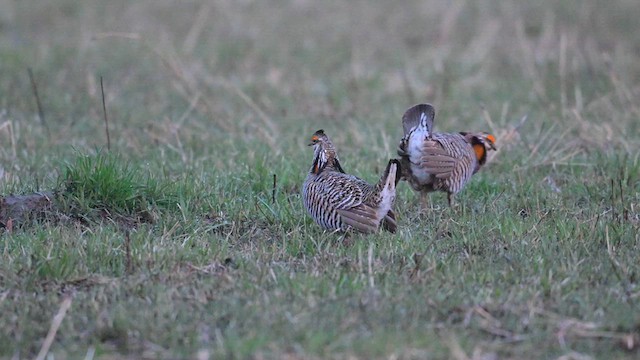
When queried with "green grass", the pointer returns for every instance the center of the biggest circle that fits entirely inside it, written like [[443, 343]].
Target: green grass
[[171, 246]]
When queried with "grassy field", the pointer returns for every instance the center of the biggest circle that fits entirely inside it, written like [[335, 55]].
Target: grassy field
[[172, 244]]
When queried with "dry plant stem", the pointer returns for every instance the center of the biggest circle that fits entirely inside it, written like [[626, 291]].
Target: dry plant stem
[[34, 87], [55, 325], [127, 249], [12, 137], [106, 119], [273, 190]]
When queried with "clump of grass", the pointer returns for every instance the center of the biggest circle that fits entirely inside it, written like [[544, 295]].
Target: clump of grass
[[105, 184]]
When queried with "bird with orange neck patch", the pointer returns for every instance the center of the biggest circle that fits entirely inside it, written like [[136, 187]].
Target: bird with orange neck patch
[[432, 161]]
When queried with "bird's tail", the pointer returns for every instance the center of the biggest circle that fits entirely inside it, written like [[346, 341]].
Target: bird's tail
[[418, 115]]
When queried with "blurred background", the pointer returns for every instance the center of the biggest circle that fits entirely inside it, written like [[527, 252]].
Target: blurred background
[[272, 72]]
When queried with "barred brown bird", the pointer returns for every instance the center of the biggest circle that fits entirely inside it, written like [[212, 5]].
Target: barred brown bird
[[432, 161], [339, 201]]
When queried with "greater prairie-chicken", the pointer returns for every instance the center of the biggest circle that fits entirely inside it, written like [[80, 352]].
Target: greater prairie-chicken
[[339, 201], [432, 161]]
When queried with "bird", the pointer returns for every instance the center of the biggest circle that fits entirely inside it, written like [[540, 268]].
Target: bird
[[340, 202], [432, 161]]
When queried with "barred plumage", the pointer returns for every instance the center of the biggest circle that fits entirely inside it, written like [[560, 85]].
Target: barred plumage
[[339, 201], [439, 161]]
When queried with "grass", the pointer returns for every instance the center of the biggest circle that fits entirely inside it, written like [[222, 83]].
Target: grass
[[171, 245]]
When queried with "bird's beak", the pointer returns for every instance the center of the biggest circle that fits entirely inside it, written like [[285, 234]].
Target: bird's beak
[[314, 140]]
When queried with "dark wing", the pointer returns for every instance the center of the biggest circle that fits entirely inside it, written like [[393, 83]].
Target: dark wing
[[436, 160], [347, 197], [361, 218]]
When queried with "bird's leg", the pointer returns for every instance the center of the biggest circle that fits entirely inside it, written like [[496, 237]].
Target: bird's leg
[[424, 201], [450, 199], [347, 239]]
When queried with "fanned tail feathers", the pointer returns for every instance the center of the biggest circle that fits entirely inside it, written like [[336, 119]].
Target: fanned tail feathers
[[421, 114], [389, 181], [391, 175]]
